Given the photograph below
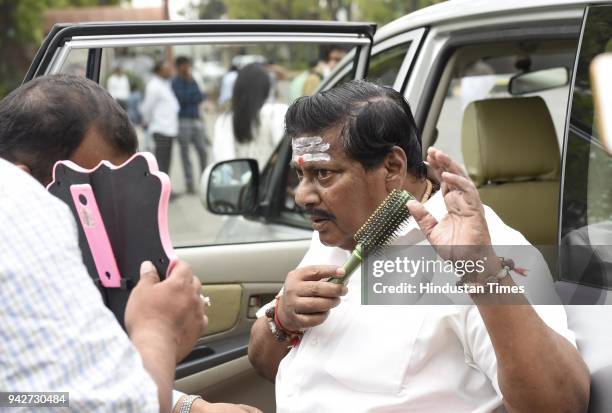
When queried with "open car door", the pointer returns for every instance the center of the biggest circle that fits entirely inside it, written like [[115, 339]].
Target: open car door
[[241, 262], [585, 225]]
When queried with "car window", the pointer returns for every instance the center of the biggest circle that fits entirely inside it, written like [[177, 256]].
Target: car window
[[385, 65], [76, 63], [484, 71], [389, 63], [586, 220], [291, 70]]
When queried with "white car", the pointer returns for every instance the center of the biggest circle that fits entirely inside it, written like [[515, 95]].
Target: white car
[[501, 86]]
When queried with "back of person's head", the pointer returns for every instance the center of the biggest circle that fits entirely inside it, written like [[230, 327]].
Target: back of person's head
[[46, 119], [251, 89], [157, 66], [162, 68], [325, 51], [182, 60], [373, 118]]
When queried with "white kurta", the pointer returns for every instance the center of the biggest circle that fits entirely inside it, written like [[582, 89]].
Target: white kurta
[[411, 358]]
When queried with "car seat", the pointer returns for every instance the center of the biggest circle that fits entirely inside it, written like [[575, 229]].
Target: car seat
[[511, 153]]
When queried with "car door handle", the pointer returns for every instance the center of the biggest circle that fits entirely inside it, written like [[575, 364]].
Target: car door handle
[[213, 354]]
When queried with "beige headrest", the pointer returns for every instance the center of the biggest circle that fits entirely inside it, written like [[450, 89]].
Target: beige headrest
[[509, 140]]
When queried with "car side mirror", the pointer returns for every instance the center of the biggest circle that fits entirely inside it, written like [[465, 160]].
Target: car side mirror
[[538, 80], [231, 187]]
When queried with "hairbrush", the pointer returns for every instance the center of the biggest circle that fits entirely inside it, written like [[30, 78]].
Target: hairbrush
[[385, 223]]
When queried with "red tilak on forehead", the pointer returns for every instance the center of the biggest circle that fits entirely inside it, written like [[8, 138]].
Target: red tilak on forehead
[[300, 160]]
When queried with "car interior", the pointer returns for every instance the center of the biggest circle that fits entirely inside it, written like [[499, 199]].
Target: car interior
[[511, 153], [522, 184], [509, 144]]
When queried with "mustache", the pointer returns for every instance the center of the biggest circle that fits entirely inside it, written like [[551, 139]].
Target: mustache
[[319, 213]]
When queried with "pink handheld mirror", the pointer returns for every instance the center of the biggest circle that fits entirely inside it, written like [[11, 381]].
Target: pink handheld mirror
[[122, 216]]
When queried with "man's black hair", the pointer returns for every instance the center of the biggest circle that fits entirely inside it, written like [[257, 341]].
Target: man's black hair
[[157, 66], [326, 49], [374, 119], [181, 60], [46, 119]]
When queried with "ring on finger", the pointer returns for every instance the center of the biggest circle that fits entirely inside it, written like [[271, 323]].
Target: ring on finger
[[205, 300]]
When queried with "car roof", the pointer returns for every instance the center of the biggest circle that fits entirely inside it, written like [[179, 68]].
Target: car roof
[[458, 10]]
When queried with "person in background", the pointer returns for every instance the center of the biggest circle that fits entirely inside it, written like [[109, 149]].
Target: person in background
[[329, 56], [253, 127], [297, 84], [160, 113], [118, 85], [57, 335], [191, 127], [227, 85]]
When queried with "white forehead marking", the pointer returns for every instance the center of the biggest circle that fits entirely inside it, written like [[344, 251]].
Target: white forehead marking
[[309, 149], [311, 157]]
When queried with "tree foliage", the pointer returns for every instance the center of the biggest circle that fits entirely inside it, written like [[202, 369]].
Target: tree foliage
[[379, 11], [21, 32]]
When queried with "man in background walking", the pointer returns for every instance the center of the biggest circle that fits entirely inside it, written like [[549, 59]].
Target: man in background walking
[[160, 113], [191, 127], [118, 85]]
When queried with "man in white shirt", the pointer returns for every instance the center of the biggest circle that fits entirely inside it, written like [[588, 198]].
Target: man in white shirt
[[118, 85], [227, 85], [160, 110], [56, 333], [352, 145]]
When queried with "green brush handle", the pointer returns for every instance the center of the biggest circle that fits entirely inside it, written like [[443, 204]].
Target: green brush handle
[[350, 266]]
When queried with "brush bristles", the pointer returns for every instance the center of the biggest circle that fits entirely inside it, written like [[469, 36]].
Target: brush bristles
[[386, 222]]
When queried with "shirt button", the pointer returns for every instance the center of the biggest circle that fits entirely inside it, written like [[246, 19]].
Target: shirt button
[[314, 341]]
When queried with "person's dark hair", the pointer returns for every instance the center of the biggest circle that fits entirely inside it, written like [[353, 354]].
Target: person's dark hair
[[46, 119], [374, 119], [158, 66], [251, 89], [325, 50], [181, 60]]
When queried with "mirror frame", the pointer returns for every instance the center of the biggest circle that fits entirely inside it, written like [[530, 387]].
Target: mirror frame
[[205, 187], [514, 78]]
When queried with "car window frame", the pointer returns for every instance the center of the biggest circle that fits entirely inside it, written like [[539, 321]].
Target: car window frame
[[415, 36], [586, 136], [63, 39], [60, 36], [422, 110]]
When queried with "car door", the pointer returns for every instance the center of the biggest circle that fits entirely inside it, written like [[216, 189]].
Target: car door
[[241, 262], [585, 229]]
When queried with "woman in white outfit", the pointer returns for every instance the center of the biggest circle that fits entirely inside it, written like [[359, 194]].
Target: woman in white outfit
[[254, 126]]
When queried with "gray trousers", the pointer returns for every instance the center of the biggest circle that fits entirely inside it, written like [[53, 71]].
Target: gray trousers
[[191, 131], [163, 151]]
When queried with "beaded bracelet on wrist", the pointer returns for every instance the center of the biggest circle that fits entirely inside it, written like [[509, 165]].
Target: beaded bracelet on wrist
[[280, 333]]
